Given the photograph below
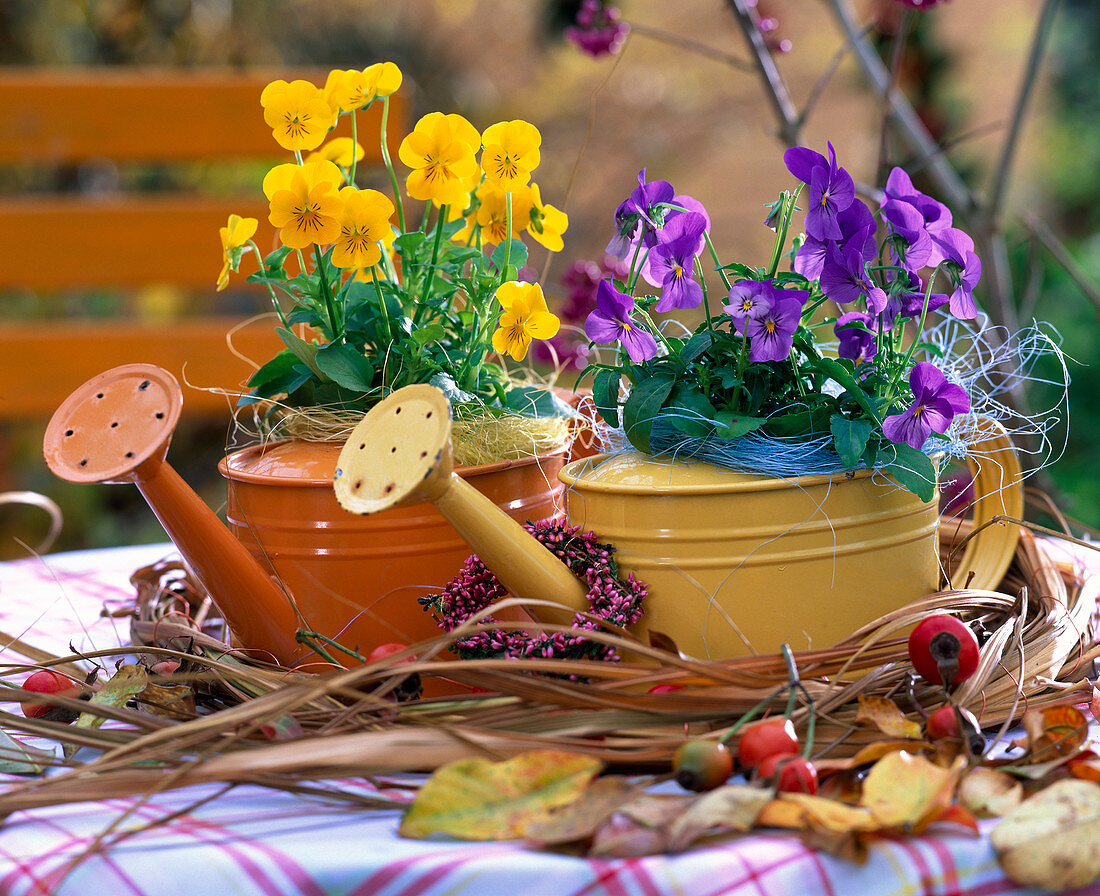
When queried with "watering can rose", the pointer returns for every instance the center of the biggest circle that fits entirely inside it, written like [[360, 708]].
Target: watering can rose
[[387, 303]]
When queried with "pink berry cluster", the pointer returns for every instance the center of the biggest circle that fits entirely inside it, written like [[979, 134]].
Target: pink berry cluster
[[599, 30], [610, 597]]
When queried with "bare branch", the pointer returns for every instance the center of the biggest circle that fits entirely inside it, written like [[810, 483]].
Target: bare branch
[[775, 88], [902, 113], [1027, 85]]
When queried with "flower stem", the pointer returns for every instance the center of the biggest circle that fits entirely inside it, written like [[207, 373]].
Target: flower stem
[[507, 235], [389, 166], [355, 146], [789, 200], [432, 264], [326, 291], [717, 260], [270, 291]]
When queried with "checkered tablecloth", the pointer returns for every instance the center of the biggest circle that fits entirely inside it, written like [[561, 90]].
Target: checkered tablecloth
[[212, 840]]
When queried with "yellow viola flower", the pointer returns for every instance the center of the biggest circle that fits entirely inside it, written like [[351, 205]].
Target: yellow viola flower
[[297, 113], [511, 153], [345, 90], [235, 234], [364, 221], [305, 203], [442, 161], [338, 150], [545, 223], [492, 213], [381, 79], [525, 317]]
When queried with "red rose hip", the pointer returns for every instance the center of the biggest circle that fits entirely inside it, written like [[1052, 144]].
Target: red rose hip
[[47, 681], [943, 650]]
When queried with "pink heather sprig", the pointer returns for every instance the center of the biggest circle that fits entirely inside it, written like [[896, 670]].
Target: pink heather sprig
[[611, 598]]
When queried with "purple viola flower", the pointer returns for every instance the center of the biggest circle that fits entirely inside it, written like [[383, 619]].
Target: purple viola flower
[[671, 262], [964, 268], [635, 218], [831, 189], [747, 298], [611, 322], [915, 219], [855, 333], [772, 325], [936, 402], [844, 279], [857, 229], [598, 30], [908, 301]]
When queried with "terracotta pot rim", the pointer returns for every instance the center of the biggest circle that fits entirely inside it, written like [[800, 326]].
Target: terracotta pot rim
[[724, 481], [318, 482]]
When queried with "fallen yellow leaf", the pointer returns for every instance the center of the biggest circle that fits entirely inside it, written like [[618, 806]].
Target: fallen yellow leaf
[[1052, 839], [476, 799], [734, 807], [803, 811], [989, 793], [905, 791], [885, 715]]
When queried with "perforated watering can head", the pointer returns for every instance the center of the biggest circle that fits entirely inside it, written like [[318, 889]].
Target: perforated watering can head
[[401, 451], [116, 428]]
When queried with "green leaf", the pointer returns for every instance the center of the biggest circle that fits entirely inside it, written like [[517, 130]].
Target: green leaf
[[346, 366], [282, 374], [914, 470], [447, 385], [517, 256], [743, 271], [850, 438], [645, 402], [838, 372], [696, 346], [305, 351], [690, 412], [536, 401], [429, 333], [408, 243], [605, 394], [732, 425]]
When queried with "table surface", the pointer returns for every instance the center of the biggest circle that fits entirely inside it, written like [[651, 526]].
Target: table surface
[[212, 840]]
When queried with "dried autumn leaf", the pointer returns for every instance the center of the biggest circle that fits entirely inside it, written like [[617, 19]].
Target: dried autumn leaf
[[1085, 766], [1052, 839], [885, 715], [734, 807], [640, 827], [1094, 703], [581, 818], [1055, 731], [476, 799], [171, 700], [989, 793], [803, 811], [129, 681], [905, 791]]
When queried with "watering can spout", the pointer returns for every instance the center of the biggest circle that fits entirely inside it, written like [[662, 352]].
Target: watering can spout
[[401, 452], [116, 428]]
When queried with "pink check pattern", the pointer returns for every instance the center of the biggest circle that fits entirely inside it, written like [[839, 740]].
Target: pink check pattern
[[213, 840]]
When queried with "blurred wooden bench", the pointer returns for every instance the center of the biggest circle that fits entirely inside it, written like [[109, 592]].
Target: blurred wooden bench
[[112, 190]]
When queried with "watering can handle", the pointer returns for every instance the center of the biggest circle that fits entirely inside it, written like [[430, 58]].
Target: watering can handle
[[998, 491]]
